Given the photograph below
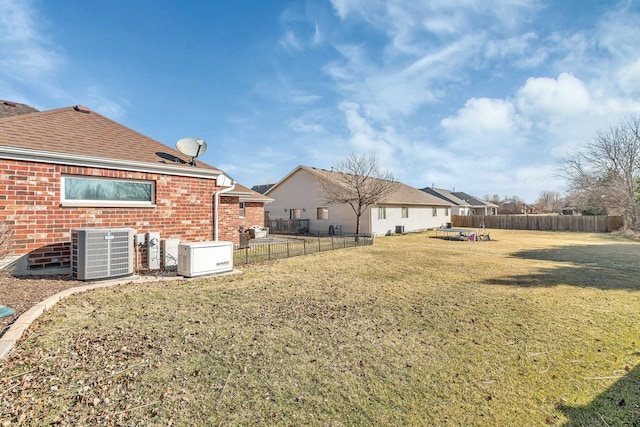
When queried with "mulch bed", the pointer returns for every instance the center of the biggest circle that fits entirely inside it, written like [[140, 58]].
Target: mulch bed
[[22, 293]]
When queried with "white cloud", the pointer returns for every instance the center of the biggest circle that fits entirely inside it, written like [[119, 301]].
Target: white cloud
[[629, 78], [318, 37], [96, 100], [27, 54], [302, 126], [548, 97], [290, 42], [303, 98], [389, 91], [482, 121], [364, 136], [523, 49], [618, 30]]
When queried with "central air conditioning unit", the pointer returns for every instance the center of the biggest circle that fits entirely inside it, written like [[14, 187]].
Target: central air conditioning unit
[[101, 253], [201, 258]]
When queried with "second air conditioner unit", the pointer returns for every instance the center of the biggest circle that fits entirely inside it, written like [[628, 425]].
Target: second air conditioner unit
[[201, 258], [101, 253]]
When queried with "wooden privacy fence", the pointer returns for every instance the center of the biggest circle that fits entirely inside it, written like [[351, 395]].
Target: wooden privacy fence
[[583, 223]]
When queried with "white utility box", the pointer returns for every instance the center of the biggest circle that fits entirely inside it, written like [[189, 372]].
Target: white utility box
[[201, 258]]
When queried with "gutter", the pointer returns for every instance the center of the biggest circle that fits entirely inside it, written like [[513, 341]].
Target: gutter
[[27, 155], [221, 181]]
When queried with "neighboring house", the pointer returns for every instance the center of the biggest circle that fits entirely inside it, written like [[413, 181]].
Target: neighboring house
[[477, 206], [459, 206], [299, 196], [73, 168], [10, 109], [516, 208], [251, 206], [263, 188]]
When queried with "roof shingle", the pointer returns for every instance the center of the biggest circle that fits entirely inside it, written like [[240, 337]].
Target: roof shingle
[[82, 132], [402, 195], [10, 109]]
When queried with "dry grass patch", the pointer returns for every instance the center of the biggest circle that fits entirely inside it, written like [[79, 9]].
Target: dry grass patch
[[532, 328]]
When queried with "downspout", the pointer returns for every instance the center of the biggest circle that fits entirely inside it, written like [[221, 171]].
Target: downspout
[[216, 202]]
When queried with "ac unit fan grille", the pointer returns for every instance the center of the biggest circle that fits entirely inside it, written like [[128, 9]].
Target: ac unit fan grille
[[101, 253]]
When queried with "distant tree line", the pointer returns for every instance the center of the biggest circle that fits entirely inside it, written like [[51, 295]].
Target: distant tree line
[[603, 178], [605, 175]]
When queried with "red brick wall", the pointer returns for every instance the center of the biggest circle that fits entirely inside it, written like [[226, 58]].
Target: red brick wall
[[30, 204], [253, 215]]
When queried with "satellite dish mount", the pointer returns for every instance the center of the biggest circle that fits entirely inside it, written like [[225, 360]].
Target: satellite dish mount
[[192, 147]]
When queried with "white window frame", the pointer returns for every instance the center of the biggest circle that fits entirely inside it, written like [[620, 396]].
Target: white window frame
[[107, 203], [434, 211], [382, 212], [405, 212], [241, 209]]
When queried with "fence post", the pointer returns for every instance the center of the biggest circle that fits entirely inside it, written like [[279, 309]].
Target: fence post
[[269, 251], [288, 249], [246, 254], [304, 246], [319, 247]]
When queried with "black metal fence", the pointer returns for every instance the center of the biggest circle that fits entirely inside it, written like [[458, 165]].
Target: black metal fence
[[284, 248], [288, 226]]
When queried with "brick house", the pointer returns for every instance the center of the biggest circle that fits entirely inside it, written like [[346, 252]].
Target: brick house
[[72, 167]]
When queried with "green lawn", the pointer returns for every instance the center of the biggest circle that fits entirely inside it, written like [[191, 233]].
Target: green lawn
[[529, 329]]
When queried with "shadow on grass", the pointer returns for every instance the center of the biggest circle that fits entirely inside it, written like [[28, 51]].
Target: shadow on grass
[[619, 405], [615, 266]]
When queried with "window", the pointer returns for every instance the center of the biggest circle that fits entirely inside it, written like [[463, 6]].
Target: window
[[434, 212], [241, 206], [405, 212], [382, 212], [323, 213], [294, 213], [446, 211], [84, 191]]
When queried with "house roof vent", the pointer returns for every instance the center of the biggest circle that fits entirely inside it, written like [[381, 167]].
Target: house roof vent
[[82, 109]]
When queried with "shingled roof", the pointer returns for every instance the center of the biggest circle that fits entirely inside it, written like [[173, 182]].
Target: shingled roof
[[10, 109], [80, 132], [445, 195], [248, 195], [402, 194]]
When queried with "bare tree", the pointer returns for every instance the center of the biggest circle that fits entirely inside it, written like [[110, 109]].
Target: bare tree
[[6, 240], [358, 182], [492, 198], [607, 170], [549, 202]]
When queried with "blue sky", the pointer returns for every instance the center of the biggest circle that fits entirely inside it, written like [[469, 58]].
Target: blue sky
[[484, 97]]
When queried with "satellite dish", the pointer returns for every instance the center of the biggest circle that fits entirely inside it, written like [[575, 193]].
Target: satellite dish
[[192, 147]]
